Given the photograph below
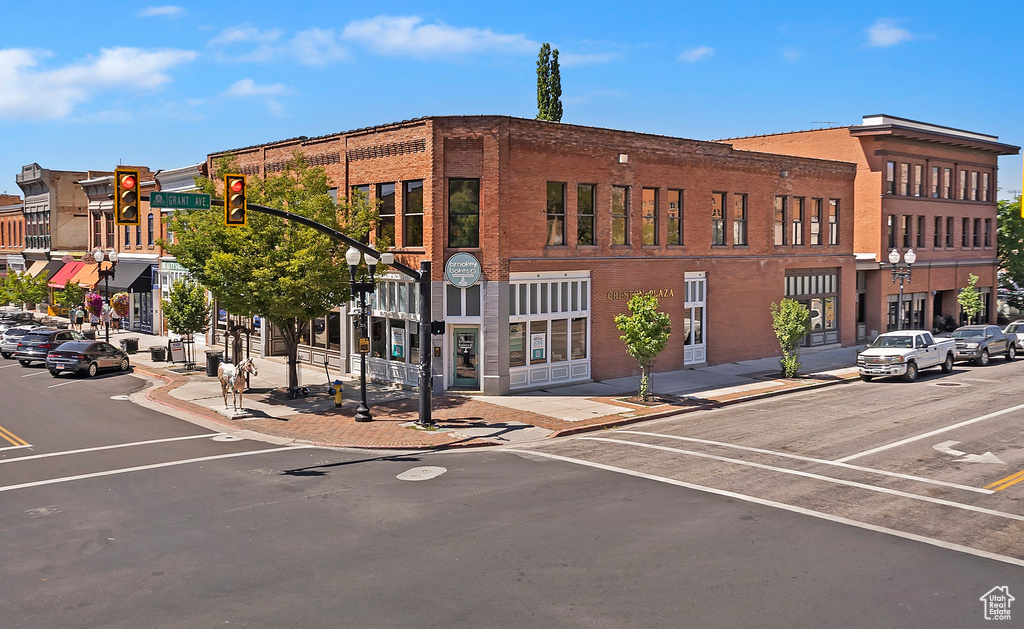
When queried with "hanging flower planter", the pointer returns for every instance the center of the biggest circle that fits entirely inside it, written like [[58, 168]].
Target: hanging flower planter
[[94, 303], [120, 303]]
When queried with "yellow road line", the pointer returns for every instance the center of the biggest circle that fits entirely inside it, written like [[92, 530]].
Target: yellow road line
[[1013, 479], [12, 438]]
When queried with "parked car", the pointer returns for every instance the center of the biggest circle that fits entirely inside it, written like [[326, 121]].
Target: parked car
[[905, 353], [1016, 328], [10, 337], [980, 342], [11, 319], [36, 344], [86, 357]]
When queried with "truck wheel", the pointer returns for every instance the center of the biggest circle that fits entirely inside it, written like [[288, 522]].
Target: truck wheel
[[982, 360], [911, 373], [947, 365], [865, 377], [1011, 353]]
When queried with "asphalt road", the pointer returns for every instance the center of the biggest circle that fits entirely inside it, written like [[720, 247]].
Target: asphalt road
[[178, 527]]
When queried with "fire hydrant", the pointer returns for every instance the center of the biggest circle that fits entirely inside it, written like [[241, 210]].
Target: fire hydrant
[[337, 392]]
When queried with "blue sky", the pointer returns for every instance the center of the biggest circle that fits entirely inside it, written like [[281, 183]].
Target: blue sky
[[191, 78]]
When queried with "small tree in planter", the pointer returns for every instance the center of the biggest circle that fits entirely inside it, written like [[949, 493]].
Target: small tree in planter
[[70, 297], [970, 299], [791, 322], [645, 333], [186, 310]]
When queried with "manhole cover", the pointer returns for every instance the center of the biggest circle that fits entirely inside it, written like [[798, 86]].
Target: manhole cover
[[947, 384], [422, 473]]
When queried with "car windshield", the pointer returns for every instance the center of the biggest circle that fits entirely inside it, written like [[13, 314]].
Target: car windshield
[[893, 341], [1015, 328], [34, 337], [968, 333]]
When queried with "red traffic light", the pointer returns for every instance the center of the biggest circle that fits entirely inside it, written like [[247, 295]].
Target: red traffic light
[[236, 185], [127, 182]]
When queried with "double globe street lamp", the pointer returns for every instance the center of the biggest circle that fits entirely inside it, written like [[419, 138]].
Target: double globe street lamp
[[105, 275], [902, 273], [362, 289]]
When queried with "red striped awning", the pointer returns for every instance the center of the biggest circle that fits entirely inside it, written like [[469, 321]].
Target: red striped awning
[[66, 272]]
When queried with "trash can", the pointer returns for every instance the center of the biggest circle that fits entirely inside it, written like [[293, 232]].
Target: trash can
[[130, 345], [213, 357], [158, 353], [90, 334]]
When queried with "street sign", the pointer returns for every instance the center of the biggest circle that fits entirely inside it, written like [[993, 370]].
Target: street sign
[[180, 200]]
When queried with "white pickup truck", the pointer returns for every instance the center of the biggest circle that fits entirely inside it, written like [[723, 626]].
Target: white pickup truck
[[905, 353]]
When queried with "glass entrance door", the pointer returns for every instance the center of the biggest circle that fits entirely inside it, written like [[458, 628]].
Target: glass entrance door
[[467, 373]]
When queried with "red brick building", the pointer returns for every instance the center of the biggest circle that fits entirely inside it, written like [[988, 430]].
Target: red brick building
[[565, 223], [12, 234], [919, 186]]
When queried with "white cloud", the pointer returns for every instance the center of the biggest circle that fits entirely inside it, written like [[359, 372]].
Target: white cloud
[[696, 54], [571, 60], [163, 11], [245, 33], [408, 35], [248, 87], [884, 33], [317, 47], [48, 94], [791, 54]]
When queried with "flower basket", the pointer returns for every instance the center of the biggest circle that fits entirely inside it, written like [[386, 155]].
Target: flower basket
[[94, 304], [120, 303]]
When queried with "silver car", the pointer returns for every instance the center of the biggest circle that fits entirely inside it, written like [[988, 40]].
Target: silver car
[[1017, 328], [10, 337]]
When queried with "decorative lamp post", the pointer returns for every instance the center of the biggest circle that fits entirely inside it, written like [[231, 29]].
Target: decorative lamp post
[[105, 275], [362, 289], [902, 273]]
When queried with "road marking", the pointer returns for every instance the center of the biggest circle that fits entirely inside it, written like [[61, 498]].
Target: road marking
[[139, 468], [798, 457], [12, 438], [29, 375], [15, 447], [780, 505], [829, 479], [1003, 483], [930, 434], [988, 457], [63, 383], [110, 447], [11, 365]]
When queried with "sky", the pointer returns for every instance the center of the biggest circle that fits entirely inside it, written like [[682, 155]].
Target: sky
[[88, 86]]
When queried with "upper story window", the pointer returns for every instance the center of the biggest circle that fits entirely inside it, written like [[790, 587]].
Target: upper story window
[[988, 233], [360, 194], [890, 177], [974, 185], [833, 221], [386, 213], [649, 216], [798, 221], [97, 230], [947, 183], [717, 218], [949, 232], [556, 213], [918, 180], [463, 212], [907, 228], [780, 220], [891, 226], [620, 215], [937, 242], [739, 219], [920, 232], [904, 178], [976, 241], [675, 217], [816, 205], [150, 239], [138, 236], [935, 182], [585, 197], [412, 213], [984, 187], [965, 234], [963, 185]]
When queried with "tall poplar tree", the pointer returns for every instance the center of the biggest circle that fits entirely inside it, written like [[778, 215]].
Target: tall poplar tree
[[549, 85]]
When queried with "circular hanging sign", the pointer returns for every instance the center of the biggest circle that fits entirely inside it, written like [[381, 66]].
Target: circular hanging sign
[[462, 270]]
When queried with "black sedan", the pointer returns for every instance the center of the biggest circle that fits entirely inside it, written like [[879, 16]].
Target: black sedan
[[86, 357]]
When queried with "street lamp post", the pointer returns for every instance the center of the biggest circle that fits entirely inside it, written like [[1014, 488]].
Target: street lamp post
[[362, 289], [106, 274], [902, 273]]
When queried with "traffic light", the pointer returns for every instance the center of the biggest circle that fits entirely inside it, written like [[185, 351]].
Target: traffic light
[[126, 197], [235, 206]]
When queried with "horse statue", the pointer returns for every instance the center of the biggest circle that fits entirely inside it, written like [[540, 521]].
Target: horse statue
[[232, 378]]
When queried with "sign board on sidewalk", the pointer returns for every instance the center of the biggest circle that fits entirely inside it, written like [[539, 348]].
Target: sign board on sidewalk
[[177, 352], [179, 200]]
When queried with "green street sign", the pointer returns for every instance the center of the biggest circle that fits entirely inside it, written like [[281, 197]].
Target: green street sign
[[180, 200]]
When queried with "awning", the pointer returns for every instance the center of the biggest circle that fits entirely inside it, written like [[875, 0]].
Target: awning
[[50, 267], [36, 268], [65, 273], [87, 276], [125, 274]]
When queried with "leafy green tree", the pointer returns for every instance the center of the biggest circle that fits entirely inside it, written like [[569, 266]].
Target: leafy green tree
[[1010, 250], [970, 298], [23, 288], [791, 322], [645, 333], [549, 85], [284, 272], [71, 296], [186, 310]]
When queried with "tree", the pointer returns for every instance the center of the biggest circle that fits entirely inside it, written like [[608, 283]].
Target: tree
[[286, 273], [970, 298], [549, 85], [646, 332], [791, 322], [23, 288], [1010, 250], [186, 309], [71, 296]]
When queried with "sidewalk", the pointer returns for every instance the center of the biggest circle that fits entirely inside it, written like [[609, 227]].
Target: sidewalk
[[462, 420]]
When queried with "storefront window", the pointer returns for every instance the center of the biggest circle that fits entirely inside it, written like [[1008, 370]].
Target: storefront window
[[399, 340], [538, 342], [579, 338], [414, 343], [516, 344], [378, 342], [559, 340]]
